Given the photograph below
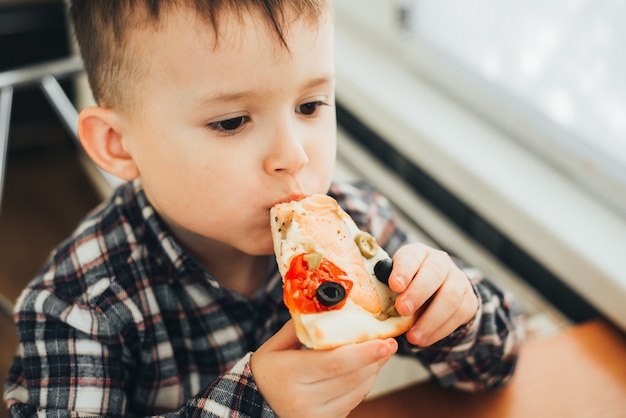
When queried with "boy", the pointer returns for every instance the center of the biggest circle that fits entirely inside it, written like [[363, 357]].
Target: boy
[[166, 300]]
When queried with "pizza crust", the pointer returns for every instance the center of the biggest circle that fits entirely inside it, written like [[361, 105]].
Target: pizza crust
[[352, 324]]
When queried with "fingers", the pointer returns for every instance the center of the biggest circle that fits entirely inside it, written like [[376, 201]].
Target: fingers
[[451, 307], [346, 401], [433, 269], [406, 262], [320, 382], [431, 284], [351, 384], [347, 360]]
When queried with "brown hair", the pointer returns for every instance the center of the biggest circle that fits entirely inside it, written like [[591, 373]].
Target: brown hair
[[102, 30]]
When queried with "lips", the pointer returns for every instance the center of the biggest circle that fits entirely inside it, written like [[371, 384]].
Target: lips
[[291, 198]]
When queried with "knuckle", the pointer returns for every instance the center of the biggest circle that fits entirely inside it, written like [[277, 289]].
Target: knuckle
[[356, 379], [442, 258], [333, 366], [438, 268], [352, 379], [453, 299], [299, 404]]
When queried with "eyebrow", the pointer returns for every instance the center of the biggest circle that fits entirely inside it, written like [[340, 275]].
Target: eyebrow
[[316, 82], [228, 97]]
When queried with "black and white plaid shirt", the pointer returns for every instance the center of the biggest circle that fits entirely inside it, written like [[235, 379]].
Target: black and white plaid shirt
[[122, 322]]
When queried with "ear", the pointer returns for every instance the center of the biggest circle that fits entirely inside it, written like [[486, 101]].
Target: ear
[[100, 132]]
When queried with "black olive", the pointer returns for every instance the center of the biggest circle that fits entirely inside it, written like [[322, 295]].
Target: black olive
[[330, 293], [382, 270]]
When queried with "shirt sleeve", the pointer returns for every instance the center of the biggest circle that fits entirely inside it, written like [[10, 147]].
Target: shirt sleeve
[[234, 394], [64, 367], [481, 354]]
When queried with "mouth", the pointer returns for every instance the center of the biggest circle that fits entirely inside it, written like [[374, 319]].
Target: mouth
[[290, 198]]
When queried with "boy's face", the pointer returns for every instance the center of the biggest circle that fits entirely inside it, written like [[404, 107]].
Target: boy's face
[[222, 133]]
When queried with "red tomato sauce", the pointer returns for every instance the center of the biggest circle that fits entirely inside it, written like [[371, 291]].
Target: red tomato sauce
[[301, 285]]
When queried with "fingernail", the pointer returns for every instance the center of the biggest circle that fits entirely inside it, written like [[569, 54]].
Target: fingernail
[[409, 305], [383, 351], [400, 281], [417, 338]]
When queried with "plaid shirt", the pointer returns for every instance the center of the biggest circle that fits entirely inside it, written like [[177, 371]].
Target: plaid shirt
[[122, 322]]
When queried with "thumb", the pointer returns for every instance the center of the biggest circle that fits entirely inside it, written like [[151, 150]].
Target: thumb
[[284, 339]]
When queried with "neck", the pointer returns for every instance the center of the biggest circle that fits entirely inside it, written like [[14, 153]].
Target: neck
[[242, 273], [238, 271]]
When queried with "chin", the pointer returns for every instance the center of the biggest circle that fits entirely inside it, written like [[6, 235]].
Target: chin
[[268, 250], [260, 247]]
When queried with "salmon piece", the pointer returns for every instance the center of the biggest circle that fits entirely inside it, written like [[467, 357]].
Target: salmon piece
[[320, 219]]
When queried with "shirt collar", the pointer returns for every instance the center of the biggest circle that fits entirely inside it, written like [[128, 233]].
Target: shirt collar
[[182, 262]]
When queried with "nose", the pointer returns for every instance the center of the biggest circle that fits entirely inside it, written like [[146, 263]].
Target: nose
[[286, 153]]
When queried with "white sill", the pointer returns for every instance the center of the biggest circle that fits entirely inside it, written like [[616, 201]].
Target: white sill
[[551, 218]]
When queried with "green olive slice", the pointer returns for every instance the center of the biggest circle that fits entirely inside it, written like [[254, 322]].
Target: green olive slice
[[313, 260], [367, 244]]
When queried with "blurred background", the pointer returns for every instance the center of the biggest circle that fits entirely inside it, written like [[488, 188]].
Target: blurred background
[[509, 119], [44, 190], [496, 127]]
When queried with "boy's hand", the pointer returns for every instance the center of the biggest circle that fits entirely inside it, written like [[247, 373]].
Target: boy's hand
[[316, 383], [429, 281]]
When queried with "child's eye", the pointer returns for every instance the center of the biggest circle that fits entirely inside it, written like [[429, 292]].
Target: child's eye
[[229, 126], [310, 108]]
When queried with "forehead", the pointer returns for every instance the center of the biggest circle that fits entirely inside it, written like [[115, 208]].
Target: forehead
[[184, 30], [188, 60]]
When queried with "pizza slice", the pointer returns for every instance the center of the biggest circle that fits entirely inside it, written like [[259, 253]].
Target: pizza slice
[[334, 275]]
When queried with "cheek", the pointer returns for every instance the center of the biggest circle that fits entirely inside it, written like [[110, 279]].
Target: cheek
[[324, 149], [174, 178]]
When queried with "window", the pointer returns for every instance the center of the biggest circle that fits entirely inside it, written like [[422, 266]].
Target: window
[[514, 107], [548, 73]]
